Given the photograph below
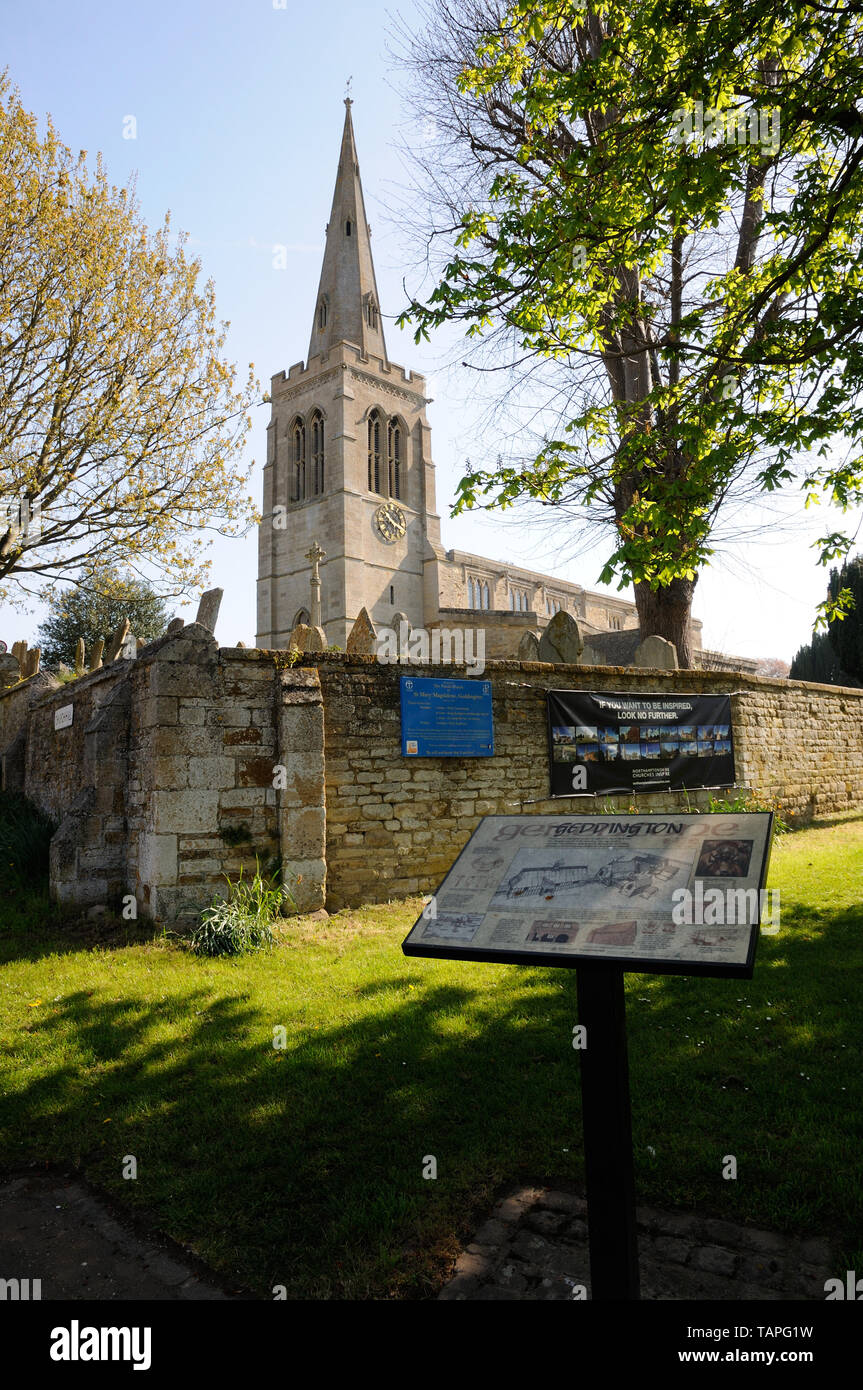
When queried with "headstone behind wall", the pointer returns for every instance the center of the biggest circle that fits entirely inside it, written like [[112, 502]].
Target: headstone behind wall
[[528, 648], [116, 640], [79, 657], [306, 638], [19, 649], [561, 641], [174, 625], [208, 608], [657, 653], [362, 638], [31, 662], [96, 658]]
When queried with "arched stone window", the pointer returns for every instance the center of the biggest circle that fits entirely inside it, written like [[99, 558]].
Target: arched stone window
[[322, 314], [317, 452], [298, 459], [372, 313], [375, 455], [471, 598], [394, 457], [348, 228], [484, 601]]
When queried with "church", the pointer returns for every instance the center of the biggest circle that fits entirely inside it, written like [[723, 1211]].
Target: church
[[349, 467]]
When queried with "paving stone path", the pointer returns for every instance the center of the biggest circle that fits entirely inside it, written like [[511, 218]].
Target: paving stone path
[[55, 1230], [534, 1246]]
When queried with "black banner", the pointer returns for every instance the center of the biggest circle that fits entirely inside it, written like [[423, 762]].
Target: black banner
[[607, 742]]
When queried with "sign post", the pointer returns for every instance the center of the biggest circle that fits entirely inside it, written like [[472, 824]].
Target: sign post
[[607, 1122], [671, 893]]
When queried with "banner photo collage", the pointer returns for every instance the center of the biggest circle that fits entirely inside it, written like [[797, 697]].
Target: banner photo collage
[[607, 742]]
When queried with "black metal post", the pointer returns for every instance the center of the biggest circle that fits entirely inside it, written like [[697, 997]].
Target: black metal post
[[607, 1134]]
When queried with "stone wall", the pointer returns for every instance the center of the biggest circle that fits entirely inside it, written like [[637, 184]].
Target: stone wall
[[164, 781], [180, 768], [394, 825]]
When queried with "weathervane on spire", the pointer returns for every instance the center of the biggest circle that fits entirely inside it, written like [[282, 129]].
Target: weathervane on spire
[[348, 99]]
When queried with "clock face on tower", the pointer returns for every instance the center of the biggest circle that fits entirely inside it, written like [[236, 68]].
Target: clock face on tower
[[390, 522]]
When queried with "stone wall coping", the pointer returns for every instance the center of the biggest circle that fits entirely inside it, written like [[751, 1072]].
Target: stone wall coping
[[63, 694], [250, 653], [570, 674], [23, 684]]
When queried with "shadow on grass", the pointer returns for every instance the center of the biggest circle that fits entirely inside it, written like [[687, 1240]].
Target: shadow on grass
[[303, 1166]]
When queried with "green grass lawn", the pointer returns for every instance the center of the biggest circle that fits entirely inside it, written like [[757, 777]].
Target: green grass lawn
[[303, 1166]]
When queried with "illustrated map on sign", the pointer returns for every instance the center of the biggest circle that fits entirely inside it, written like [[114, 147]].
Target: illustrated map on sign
[[569, 889]]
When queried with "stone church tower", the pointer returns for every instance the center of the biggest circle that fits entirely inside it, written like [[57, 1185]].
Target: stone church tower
[[349, 466], [348, 455]]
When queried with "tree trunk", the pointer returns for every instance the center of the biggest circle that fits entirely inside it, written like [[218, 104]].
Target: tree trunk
[[665, 613]]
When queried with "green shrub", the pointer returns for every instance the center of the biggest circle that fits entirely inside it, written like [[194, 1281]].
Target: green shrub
[[25, 835], [751, 803], [243, 921]]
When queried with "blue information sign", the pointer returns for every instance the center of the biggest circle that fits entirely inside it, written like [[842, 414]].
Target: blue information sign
[[446, 719]]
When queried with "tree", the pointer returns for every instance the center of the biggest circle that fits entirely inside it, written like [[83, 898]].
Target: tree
[[846, 633], [120, 421], [835, 657], [668, 204], [773, 666], [94, 610], [817, 662]]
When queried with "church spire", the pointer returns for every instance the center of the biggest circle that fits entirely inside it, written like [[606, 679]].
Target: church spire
[[347, 308]]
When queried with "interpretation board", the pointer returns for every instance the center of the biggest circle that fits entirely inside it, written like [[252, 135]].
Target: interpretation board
[[446, 718], [605, 742], [603, 894], [675, 894]]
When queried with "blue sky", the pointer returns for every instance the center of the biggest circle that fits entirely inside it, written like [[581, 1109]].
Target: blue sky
[[238, 106]]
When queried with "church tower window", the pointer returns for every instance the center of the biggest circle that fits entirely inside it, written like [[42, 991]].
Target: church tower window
[[471, 600], [317, 452], [394, 454], [348, 227], [322, 314], [372, 314], [484, 598], [375, 452], [298, 460]]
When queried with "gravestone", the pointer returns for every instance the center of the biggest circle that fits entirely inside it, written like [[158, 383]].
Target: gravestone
[[241, 646], [116, 640], [561, 642], [175, 625], [528, 648], [306, 638], [31, 662], [10, 671], [79, 657], [657, 653], [208, 609], [362, 638], [19, 650], [96, 658], [130, 647]]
